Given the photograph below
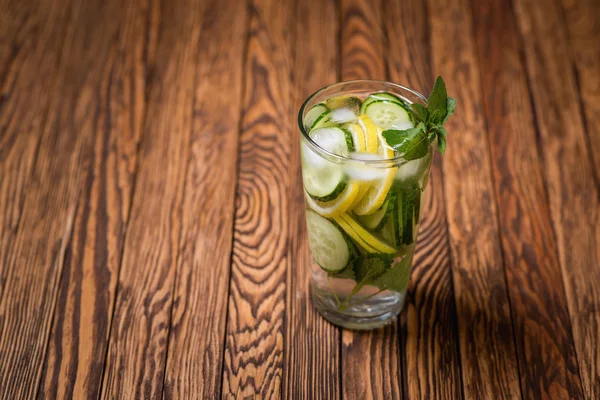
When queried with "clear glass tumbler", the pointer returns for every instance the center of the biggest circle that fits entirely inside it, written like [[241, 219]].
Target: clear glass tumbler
[[363, 200]]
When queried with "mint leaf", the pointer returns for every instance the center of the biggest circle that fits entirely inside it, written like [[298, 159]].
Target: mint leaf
[[435, 117], [441, 144], [370, 267], [450, 106], [366, 269], [413, 142], [419, 112], [437, 101], [347, 272], [439, 132], [395, 278]]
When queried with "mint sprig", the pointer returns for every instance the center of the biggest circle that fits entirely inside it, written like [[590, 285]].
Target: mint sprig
[[366, 269], [374, 269], [429, 125], [395, 278]]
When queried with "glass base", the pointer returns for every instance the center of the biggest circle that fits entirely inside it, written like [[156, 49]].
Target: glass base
[[365, 315]]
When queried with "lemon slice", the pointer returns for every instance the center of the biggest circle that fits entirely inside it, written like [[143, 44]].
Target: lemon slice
[[375, 196], [358, 137], [335, 207], [360, 141], [361, 236], [370, 130]]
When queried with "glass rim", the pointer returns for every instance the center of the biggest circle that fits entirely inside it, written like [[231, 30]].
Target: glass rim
[[318, 149]]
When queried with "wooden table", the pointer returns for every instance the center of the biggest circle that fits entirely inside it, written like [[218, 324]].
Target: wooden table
[[152, 236]]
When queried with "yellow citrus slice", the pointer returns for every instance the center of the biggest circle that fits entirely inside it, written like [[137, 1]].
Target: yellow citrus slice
[[360, 141], [335, 207], [375, 196], [358, 136], [370, 130], [361, 236]]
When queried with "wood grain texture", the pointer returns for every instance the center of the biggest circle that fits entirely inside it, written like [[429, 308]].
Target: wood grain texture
[[140, 326], [195, 353], [312, 345], [35, 261], [573, 193], [488, 360], [255, 325], [31, 38], [370, 364], [361, 40], [583, 23], [538, 302], [428, 332], [78, 340]]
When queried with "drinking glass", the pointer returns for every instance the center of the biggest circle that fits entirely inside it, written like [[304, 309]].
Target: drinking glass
[[362, 253]]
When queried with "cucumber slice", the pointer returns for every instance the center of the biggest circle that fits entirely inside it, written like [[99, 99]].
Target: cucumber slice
[[407, 221], [377, 220], [325, 180], [417, 213], [350, 102], [383, 96], [328, 246], [384, 113], [313, 114], [324, 120], [409, 203], [390, 231]]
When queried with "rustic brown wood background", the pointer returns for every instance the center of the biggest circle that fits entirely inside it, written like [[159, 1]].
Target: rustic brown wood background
[[152, 237]]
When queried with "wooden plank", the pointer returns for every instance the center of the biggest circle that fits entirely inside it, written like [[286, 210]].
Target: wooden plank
[[195, 353], [362, 40], [31, 38], [312, 345], [573, 192], [539, 311], [370, 365], [488, 359], [428, 333], [36, 258], [79, 336], [255, 323], [583, 23], [140, 326]]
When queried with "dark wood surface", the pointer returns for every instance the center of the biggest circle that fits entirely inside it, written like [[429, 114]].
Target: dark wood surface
[[152, 237]]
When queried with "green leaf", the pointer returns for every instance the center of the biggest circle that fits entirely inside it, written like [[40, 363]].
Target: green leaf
[[450, 107], [419, 112], [395, 278], [436, 116], [441, 144], [438, 133], [370, 267], [347, 272], [437, 130], [367, 268], [437, 102], [413, 142]]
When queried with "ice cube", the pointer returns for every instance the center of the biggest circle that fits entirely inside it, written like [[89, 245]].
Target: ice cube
[[343, 115], [401, 125], [361, 171]]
